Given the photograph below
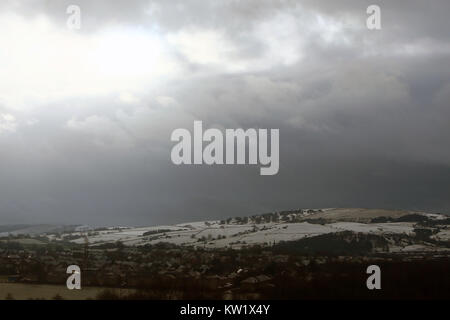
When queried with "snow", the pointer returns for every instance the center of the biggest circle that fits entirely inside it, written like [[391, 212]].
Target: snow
[[215, 235], [443, 235], [378, 228], [435, 216]]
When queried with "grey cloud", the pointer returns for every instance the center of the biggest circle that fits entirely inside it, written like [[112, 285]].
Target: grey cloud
[[358, 127]]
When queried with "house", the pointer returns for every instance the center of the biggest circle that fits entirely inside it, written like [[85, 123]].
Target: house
[[14, 278]]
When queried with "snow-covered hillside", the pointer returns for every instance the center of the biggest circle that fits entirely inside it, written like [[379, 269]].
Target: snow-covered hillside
[[263, 229]]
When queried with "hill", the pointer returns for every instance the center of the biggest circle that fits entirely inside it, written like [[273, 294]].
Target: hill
[[401, 230]]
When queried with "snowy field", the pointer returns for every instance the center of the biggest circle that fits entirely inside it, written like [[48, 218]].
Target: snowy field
[[214, 234]]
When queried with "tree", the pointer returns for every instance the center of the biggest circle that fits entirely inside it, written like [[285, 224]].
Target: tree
[[120, 245]]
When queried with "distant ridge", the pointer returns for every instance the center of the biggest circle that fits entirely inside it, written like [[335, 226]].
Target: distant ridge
[[34, 229]]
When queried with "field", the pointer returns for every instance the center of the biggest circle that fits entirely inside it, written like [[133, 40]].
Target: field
[[20, 291], [272, 229]]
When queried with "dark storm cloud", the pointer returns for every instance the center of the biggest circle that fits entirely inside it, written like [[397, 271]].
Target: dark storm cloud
[[363, 116]]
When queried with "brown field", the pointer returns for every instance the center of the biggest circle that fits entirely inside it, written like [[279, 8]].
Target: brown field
[[358, 214], [21, 291]]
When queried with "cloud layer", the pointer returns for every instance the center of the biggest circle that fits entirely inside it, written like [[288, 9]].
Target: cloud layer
[[86, 115]]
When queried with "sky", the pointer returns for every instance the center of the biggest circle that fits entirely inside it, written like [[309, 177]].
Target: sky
[[86, 114]]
